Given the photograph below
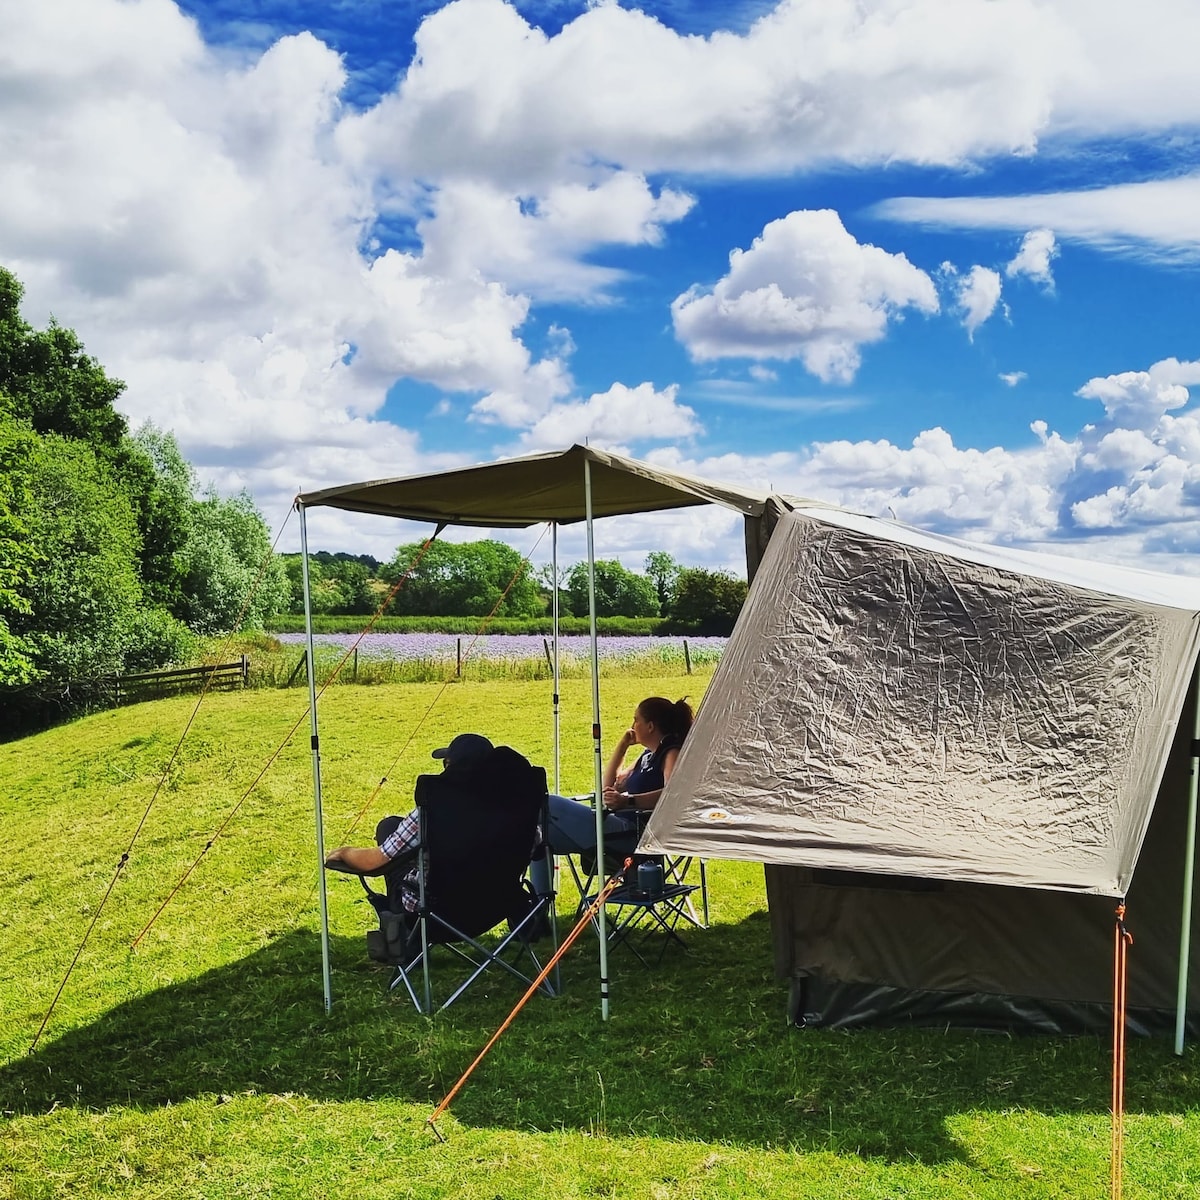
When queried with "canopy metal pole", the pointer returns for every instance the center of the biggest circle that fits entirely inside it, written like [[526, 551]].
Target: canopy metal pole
[[554, 659], [316, 760], [1189, 875], [596, 747]]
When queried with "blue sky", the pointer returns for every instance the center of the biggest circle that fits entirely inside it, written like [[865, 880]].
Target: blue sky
[[930, 257]]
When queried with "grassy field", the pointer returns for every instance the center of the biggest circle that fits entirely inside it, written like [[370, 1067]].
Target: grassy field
[[202, 1063]]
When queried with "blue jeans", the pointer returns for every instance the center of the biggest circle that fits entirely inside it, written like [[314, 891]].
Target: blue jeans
[[573, 831]]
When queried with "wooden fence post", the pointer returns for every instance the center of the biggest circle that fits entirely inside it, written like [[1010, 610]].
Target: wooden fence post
[[296, 669], [687, 658]]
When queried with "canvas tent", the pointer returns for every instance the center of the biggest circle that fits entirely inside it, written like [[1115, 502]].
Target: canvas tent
[[574, 485], [950, 757]]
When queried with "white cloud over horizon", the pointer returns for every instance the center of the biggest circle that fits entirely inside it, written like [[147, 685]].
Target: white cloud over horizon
[[262, 263]]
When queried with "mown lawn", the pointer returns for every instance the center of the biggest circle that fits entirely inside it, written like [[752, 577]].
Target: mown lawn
[[202, 1063]]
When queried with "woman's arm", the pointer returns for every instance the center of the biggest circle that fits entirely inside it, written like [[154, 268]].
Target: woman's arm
[[617, 758], [644, 800]]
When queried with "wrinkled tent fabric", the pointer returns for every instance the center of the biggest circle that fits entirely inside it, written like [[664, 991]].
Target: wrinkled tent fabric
[[890, 707], [902, 722]]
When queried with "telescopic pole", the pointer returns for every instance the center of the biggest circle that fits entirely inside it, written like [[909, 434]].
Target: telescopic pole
[[596, 747], [1189, 875], [316, 760]]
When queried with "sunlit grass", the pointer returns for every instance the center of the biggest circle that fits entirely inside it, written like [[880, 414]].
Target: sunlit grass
[[202, 1063]]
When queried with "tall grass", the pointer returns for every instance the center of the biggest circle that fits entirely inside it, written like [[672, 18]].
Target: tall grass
[[202, 1063]]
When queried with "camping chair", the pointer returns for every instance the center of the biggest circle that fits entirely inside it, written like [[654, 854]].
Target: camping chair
[[477, 831], [632, 917]]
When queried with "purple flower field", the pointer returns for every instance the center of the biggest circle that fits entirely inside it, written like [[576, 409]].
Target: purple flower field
[[402, 647]]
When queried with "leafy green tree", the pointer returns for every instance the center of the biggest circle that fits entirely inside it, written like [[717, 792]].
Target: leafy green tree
[[163, 494], [662, 570], [707, 602], [19, 556], [619, 591], [353, 583], [463, 579], [224, 556], [50, 381], [77, 608]]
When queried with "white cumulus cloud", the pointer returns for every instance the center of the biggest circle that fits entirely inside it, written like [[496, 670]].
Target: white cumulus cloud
[[805, 289], [615, 418], [977, 293], [1038, 248], [1139, 399], [929, 81]]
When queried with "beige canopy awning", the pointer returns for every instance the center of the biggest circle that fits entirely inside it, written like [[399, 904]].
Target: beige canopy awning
[[517, 492]]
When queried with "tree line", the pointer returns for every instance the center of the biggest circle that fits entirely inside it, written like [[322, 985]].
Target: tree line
[[481, 578], [113, 559]]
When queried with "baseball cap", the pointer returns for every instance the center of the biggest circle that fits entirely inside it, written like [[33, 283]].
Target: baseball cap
[[465, 749]]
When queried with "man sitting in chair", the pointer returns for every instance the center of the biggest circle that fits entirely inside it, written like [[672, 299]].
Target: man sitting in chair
[[398, 838]]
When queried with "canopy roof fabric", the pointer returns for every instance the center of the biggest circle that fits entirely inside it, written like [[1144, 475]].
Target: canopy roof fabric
[[517, 492], [897, 703]]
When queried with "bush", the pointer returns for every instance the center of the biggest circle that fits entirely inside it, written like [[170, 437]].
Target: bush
[[157, 639], [706, 602]]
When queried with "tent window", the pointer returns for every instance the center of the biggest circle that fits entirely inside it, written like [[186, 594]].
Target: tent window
[[893, 883]]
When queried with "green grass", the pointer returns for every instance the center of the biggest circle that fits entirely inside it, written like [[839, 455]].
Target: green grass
[[202, 1064]]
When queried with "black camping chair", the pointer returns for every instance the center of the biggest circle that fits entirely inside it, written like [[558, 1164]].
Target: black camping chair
[[634, 916], [478, 829]]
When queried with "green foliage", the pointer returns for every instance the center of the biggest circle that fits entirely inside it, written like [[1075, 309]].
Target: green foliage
[[619, 592], [462, 579], [155, 639], [706, 602], [103, 546], [340, 584], [227, 550], [76, 609], [51, 383], [164, 497], [19, 556], [662, 570]]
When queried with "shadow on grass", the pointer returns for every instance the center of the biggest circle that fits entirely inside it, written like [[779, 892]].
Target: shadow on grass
[[696, 1049]]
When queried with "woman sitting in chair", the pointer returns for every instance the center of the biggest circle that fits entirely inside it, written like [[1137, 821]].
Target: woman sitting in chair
[[659, 726]]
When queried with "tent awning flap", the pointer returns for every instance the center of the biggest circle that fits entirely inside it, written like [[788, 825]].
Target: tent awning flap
[[517, 492], [887, 706]]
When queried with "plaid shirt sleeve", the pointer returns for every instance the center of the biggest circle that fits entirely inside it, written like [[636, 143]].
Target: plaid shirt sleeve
[[405, 839]]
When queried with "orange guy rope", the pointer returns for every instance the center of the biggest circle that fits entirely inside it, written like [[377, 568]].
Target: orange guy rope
[[1122, 940], [569, 941]]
